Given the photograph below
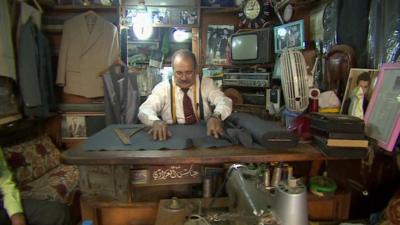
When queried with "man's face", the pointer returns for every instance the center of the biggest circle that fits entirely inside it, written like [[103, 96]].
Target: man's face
[[184, 72]]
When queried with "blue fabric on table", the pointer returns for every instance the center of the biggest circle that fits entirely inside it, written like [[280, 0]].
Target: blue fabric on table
[[183, 137]]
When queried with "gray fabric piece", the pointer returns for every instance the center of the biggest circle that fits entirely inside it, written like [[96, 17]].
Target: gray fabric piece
[[241, 136], [267, 133], [121, 98], [183, 137]]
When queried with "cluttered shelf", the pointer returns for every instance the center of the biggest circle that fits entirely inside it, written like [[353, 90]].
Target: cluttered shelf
[[209, 9], [83, 8]]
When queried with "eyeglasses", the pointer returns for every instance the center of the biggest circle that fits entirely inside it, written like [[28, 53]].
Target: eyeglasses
[[184, 73]]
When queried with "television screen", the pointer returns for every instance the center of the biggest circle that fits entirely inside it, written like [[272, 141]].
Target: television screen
[[244, 47]]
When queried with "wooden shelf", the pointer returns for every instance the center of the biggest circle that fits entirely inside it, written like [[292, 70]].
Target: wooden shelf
[[82, 8], [208, 9], [176, 25]]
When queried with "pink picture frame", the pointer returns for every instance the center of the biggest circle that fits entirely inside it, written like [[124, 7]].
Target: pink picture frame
[[382, 118]]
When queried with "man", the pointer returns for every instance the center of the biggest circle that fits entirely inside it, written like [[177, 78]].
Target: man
[[37, 212], [182, 101], [11, 198]]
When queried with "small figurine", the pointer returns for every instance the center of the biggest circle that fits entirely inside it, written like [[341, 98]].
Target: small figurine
[[358, 100]]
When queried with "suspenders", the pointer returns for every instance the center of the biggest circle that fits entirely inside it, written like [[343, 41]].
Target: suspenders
[[173, 103]]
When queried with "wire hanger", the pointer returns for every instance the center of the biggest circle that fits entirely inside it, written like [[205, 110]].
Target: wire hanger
[[89, 13], [38, 7], [117, 62]]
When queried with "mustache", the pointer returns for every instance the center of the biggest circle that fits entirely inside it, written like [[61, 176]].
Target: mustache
[[184, 81]]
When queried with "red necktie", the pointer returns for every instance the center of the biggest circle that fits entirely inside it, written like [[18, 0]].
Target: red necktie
[[190, 117]]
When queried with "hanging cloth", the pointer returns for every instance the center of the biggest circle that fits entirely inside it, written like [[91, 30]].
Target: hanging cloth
[[28, 13], [7, 58], [121, 95]]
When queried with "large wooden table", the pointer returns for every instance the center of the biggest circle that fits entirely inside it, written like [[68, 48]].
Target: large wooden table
[[109, 173], [231, 154]]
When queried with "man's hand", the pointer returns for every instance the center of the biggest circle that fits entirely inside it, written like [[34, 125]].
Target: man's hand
[[160, 131], [18, 219], [214, 127]]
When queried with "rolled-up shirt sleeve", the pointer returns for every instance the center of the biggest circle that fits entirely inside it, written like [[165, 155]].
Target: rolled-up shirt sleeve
[[151, 108], [11, 195], [216, 97]]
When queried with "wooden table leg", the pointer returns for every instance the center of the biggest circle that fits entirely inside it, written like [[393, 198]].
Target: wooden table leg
[[315, 167], [89, 211]]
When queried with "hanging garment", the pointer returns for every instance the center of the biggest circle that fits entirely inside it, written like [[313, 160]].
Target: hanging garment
[[121, 98], [27, 13], [35, 77], [7, 58], [89, 46]]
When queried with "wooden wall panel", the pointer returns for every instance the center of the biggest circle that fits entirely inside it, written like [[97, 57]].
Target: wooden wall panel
[[113, 180]]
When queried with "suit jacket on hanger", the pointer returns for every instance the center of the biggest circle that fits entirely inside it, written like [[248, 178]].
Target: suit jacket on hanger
[[121, 100], [85, 54], [35, 77]]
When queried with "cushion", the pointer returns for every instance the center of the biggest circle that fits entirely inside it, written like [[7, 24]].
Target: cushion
[[32, 159], [59, 184]]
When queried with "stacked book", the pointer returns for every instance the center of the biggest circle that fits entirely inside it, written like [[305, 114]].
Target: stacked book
[[339, 135]]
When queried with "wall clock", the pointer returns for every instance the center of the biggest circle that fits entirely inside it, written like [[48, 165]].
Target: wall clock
[[255, 13]]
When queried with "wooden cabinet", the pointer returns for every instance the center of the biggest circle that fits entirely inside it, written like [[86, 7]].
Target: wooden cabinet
[[336, 207], [110, 197]]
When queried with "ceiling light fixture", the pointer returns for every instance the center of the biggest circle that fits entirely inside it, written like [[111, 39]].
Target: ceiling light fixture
[[142, 25]]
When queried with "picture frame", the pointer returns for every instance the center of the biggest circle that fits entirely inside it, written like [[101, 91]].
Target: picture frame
[[73, 127], [352, 83], [139, 51], [168, 16], [217, 43], [10, 109], [289, 36], [81, 125], [382, 118]]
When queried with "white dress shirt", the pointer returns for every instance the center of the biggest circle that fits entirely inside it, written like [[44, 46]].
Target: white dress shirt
[[158, 104]]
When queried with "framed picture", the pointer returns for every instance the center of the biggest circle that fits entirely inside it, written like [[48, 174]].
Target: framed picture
[[168, 16], [357, 78], [289, 36], [382, 119], [139, 52], [217, 43], [9, 110], [81, 125], [74, 127]]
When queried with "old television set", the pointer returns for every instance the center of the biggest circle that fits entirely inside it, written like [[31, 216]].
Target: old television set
[[252, 47]]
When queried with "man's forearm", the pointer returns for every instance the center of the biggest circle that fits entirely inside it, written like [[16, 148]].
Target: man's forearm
[[223, 107]]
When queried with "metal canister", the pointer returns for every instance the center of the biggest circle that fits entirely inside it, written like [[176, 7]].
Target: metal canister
[[266, 178], [276, 176], [290, 172], [207, 187]]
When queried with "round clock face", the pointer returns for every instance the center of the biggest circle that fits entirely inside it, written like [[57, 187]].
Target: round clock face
[[255, 13], [252, 9]]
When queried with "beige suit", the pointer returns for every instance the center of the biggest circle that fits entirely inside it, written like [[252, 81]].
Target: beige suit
[[84, 55]]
